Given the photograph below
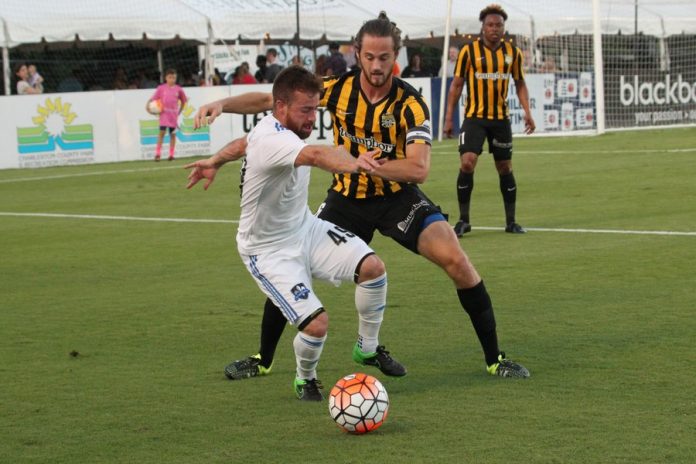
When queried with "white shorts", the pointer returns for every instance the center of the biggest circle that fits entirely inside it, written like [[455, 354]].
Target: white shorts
[[325, 252]]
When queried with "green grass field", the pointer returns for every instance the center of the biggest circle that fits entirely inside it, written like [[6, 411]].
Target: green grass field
[[153, 310]]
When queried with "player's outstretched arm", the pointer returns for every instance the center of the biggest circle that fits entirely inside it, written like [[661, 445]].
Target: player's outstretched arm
[[336, 159], [248, 103], [208, 168], [414, 168]]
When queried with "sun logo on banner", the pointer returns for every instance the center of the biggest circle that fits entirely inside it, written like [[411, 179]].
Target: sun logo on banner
[[149, 129], [53, 127]]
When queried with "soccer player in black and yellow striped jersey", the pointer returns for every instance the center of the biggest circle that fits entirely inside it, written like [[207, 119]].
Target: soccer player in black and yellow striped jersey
[[371, 108], [485, 66]]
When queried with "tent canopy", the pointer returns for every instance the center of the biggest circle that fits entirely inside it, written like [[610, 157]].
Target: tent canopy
[[63, 20]]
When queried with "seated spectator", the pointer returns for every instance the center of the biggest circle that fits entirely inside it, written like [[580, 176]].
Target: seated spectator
[[120, 79], [261, 64], [335, 63], [414, 68], [71, 83], [242, 75]]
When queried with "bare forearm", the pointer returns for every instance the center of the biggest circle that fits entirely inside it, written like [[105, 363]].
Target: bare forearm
[[331, 159], [248, 103], [231, 152], [523, 95]]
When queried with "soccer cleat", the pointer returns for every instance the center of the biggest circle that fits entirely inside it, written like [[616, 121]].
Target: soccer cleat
[[506, 368], [308, 390], [171, 158], [381, 360], [245, 368], [514, 228], [157, 157], [461, 228]]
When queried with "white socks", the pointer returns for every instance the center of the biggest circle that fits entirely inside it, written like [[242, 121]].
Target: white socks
[[307, 352], [370, 301]]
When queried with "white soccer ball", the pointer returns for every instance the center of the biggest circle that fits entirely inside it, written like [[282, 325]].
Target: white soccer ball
[[154, 107], [358, 403]]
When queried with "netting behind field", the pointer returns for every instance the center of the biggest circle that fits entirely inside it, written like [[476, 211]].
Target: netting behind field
[[649, 69]]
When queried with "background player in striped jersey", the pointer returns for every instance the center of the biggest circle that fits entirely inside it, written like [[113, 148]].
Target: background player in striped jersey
[[373, 109], [486, 65]]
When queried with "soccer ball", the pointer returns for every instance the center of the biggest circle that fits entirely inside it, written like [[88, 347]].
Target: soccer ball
[[358, 403], [154, 107]]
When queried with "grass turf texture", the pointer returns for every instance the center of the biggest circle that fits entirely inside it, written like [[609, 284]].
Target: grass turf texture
[[114, 333]]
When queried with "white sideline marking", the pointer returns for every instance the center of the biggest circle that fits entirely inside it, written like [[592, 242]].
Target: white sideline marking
[[118, 218], [83, 174], [233, 221], [598, 231]]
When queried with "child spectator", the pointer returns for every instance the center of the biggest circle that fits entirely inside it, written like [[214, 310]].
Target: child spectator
[[172, 100]]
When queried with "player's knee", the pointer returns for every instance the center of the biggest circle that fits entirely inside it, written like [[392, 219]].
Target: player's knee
[[462, 272], [317, 326], [467, 162], [504, 167], [370, 268]]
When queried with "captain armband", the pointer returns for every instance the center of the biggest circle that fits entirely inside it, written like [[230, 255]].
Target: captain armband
[[420, 134]]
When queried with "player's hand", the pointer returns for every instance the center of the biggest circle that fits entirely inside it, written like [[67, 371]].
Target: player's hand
[[202, 169], [367, 162], [447, 128], [207, 114], [529, 125]]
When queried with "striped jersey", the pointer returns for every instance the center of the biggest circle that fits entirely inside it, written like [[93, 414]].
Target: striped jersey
[[487, 73], [400, 118]]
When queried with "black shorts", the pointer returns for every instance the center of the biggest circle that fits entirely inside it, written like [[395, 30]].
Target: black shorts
[[167, 128], [498, 133], [401, 216]]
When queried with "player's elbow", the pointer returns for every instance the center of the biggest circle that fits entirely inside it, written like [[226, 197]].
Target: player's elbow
[[419, 173]]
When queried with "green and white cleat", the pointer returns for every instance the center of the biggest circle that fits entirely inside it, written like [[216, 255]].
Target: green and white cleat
[[245, 368], [379, 359], [308, 390], [507, 368]]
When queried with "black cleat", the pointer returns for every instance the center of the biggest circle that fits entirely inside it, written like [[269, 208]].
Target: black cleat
[[514, 228], [461, 228], [245, 368], [379, 359], [506, 368], [308, 390]]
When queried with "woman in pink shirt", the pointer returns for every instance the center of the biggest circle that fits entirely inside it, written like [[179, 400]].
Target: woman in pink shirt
[[172, 100]]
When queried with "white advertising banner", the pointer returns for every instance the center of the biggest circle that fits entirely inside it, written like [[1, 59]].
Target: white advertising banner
[[138, 130], [57, 129]]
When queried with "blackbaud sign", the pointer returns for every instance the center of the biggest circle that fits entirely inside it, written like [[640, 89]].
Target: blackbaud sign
[[667, 91]]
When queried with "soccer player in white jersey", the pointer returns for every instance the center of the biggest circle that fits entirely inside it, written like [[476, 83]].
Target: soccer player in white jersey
[[280, 242]]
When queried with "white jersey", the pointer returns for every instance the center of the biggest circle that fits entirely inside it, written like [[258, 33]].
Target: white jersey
[[274, 209]]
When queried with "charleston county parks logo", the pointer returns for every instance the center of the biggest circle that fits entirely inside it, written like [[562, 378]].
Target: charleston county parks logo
[[149, 130], [54, 128]]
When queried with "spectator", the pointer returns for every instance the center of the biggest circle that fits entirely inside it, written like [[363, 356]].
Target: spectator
[[120, 79], [452, 61], [71, 83], [272, 67], [320, 65], [23, 86], [242, 75], [35, 79], [261, 72], [335, 63], [414, 68]]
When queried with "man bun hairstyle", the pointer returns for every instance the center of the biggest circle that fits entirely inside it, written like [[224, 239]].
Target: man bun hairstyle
[[380, 27], [493, 8], [295, 78]]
